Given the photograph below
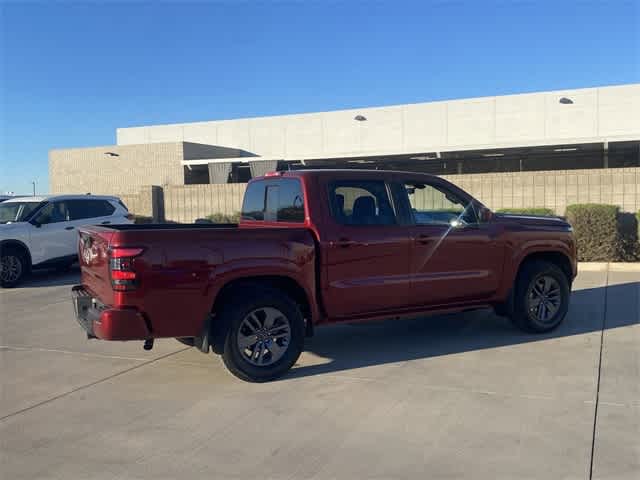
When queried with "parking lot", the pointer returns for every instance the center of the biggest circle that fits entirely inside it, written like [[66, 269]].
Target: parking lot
[[445, 397]]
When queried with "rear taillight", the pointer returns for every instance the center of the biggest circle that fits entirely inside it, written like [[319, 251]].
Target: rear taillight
[[122, 268], [130, 216]]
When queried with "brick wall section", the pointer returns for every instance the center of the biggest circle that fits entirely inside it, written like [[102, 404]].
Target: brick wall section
[[552, 189], [148, 202], [85, 170], [185, 203]]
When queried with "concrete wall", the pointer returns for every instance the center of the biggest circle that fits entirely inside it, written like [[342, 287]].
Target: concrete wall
[[148, 202], [552, 189], [597, 114], [82, 170], [185, 203]]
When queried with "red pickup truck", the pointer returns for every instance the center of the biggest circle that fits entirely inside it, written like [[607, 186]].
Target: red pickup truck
[[315, 247]]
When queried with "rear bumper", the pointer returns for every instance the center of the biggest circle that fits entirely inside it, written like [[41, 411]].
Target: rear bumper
[[104, 322]]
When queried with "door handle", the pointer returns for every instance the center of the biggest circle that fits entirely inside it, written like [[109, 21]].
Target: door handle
[[68, 228], [423, 239], [105, 223], [345, 243]]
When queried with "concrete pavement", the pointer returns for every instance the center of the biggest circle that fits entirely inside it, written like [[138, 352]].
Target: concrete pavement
[[456, 396]]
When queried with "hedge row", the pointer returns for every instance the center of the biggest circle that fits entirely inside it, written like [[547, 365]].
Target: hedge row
[[604, 233], [224, 217], [546, 212]]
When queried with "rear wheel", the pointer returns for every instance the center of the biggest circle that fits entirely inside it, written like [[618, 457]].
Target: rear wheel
[[265, 334], [541, 297], [13, 267]]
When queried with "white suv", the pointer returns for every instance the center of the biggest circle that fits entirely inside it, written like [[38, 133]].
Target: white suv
[[39, 232]]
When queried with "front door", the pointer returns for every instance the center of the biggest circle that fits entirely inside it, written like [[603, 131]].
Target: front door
[[55, 236], [367, 251], [455, 258]]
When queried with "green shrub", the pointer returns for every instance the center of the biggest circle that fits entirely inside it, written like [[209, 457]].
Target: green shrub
[[596, 229], [542, 211], [628, 230], [224, 217], [141, 219]]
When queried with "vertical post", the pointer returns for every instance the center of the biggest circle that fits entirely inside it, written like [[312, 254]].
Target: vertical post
[[605, 155], [34, 188], [157, 204]]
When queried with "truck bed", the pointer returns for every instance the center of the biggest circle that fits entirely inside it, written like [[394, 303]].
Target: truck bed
[[181, 267], [170, 226]]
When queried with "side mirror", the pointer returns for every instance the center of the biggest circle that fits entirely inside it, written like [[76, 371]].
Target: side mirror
[[485, 215]]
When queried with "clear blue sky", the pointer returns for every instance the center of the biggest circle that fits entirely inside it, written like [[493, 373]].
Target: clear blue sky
[[73, 72]]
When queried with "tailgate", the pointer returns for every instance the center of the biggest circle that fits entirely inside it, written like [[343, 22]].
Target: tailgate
[[93, 256]]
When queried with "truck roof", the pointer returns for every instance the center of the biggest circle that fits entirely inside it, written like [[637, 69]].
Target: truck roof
[[342, 173]]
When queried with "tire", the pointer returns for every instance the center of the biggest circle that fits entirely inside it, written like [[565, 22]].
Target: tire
[[14, 267], [270, 325], [541, 298], [186, 341]]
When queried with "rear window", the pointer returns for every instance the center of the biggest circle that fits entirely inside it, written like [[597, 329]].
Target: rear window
[[80, 209], [274, 201]]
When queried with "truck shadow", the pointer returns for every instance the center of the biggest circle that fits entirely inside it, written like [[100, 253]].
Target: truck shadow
[[353, 346], [52, 278]]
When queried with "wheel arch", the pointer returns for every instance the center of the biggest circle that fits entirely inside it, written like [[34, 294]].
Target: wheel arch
[[557, 257], [233, 288], [12, 243]]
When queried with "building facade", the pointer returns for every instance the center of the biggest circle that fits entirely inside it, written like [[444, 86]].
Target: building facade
[[583, 129]]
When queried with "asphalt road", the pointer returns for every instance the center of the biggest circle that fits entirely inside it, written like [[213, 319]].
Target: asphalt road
[[457, 396]]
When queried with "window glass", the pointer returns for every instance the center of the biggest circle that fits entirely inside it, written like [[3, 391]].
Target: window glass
[[16, 212], [274, 201], [54, 212], [271, 210], [431, 205], [361, 203], [253, 204], [81, 209], [290, 201]]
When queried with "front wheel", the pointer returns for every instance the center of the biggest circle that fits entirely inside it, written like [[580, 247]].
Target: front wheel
[[265, 334], [541, 297], [13, 267]]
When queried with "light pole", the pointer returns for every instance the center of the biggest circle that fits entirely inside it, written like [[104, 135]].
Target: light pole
[[34, 187]]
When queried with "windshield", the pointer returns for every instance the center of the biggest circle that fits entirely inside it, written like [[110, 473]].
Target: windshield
[[16, 211]]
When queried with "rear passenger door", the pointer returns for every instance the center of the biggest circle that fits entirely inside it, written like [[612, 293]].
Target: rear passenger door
[[367, 251]]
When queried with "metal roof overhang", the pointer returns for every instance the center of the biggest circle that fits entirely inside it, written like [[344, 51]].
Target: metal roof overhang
[[435, 150]]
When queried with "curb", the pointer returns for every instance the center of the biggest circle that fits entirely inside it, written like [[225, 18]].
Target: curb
[[592, 266], [624, 267], [612, 266]]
